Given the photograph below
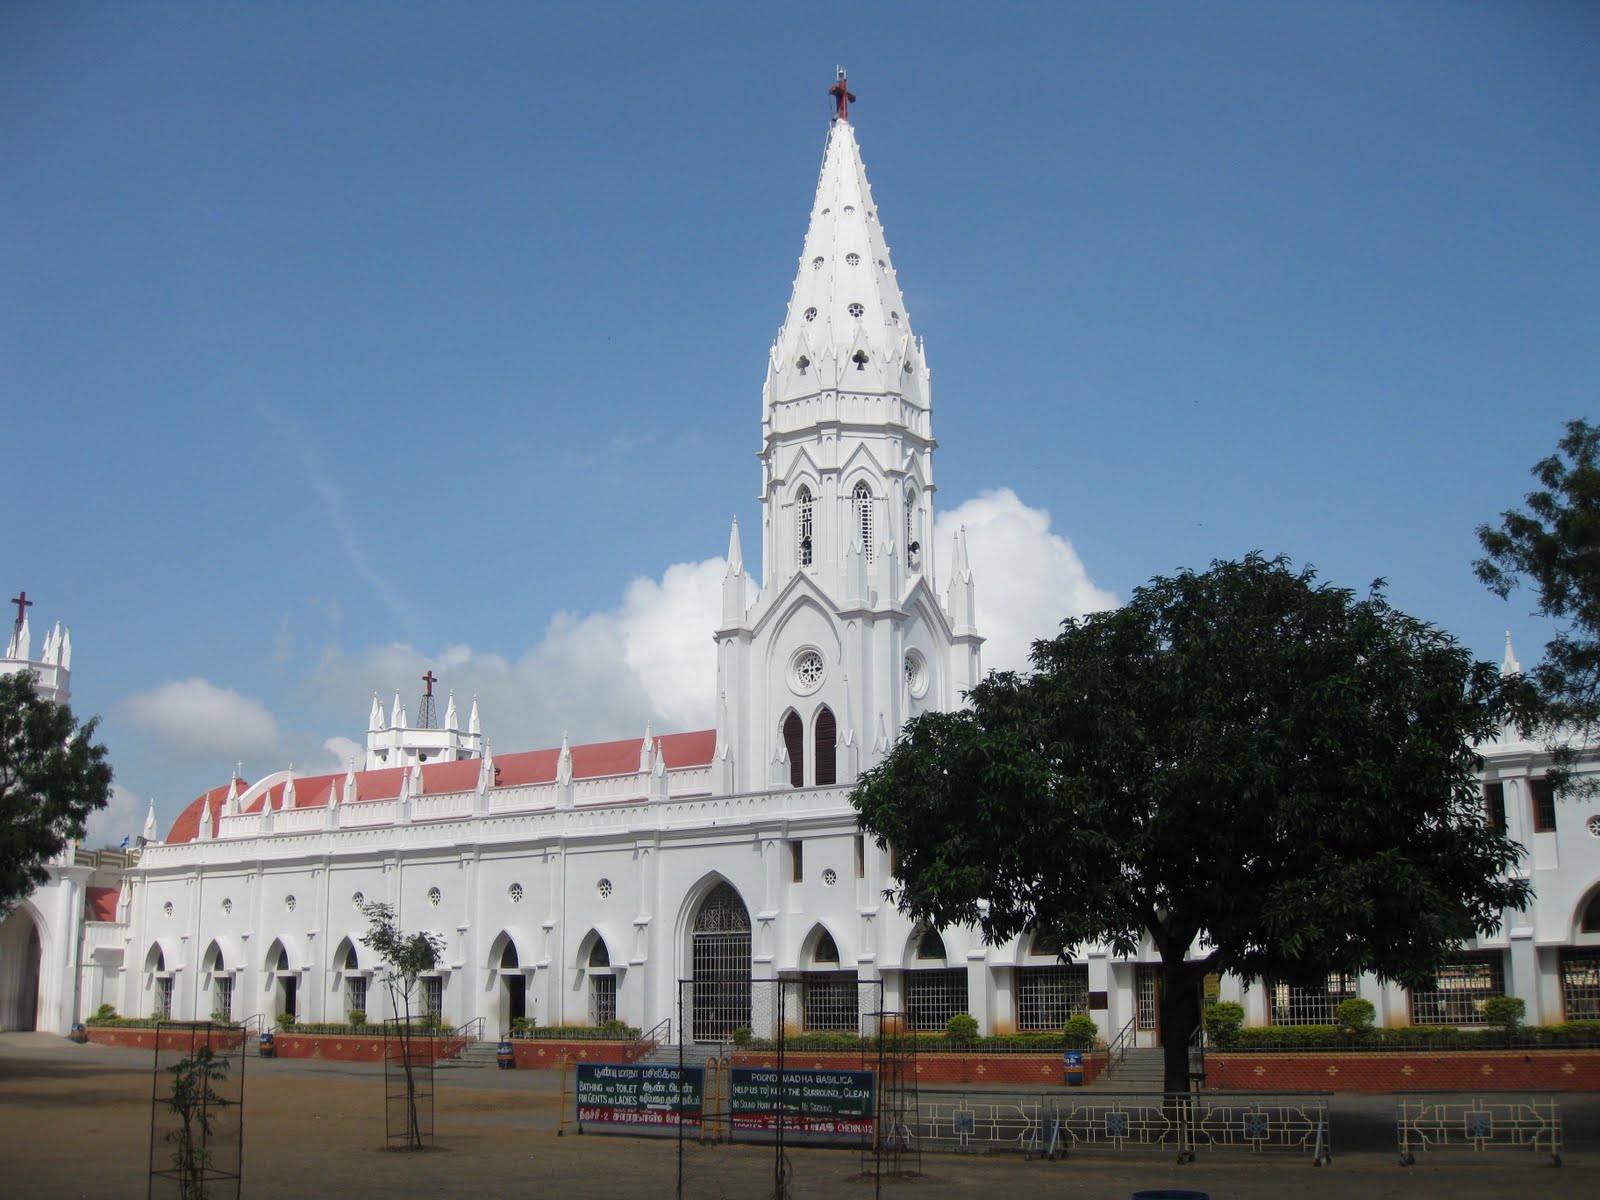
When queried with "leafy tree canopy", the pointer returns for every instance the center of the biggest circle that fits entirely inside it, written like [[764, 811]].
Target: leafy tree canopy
[[52, 776], [1554, 545], [405, 956], [1244, 763]]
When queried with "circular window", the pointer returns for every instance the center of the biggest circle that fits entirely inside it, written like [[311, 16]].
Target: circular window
[[830, 877], [1594, 825], [515, 893], [227, 906], [167, 908], [358, 899], [816, 263], [604, 888], [916, 674], [852, 259], [807, 671], [811, 314], [434, 896], [288, 903], [856, 310]]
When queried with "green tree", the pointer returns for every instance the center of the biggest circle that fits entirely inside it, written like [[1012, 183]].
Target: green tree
[[405, 957], [1554, 544], [52, 776], [1257, 773]]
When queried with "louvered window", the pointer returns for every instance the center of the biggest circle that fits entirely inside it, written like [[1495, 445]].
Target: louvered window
[[803, 525], [794, 741], [827, 737], [862, 499]]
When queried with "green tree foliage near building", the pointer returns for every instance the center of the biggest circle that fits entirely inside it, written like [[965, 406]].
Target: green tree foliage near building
[[1553, 544], [1252, 771], [52, 776]]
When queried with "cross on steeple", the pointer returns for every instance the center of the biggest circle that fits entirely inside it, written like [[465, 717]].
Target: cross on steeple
[[843, 97], [430, 680], [23, 604]]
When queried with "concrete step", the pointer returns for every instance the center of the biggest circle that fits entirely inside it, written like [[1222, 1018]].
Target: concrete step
[[474, 1055]]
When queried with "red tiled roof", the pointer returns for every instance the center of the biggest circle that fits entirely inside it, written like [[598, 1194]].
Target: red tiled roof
[[693, 749], [100, 903]]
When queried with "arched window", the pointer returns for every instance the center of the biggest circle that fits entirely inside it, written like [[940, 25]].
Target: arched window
[[803, 525], [720, 964], [827, 733], [827, 950], [913, 543], [508, 956], [930, 945], [862, 499], [599, 956], [1591, 915], [794, 741]]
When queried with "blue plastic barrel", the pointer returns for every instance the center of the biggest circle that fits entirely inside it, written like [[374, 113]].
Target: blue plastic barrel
[[504, 1058], [267, 1046], [79, 1034], [1072, 1065]]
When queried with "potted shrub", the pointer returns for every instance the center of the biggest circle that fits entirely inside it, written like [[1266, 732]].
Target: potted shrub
[[1080, 1032]]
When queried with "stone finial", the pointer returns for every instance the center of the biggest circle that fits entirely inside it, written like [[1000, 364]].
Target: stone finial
[[1509, 665]]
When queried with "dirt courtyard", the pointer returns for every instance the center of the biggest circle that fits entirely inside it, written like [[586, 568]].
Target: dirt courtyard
[[76, 1122]]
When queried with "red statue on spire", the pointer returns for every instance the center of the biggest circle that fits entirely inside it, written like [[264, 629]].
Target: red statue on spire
[[842, 97]]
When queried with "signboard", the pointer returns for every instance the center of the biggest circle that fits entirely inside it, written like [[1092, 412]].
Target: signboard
[[813, 1101], [639, 1095]]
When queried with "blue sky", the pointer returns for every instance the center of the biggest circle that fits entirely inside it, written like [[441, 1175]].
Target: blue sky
[[341, 339]]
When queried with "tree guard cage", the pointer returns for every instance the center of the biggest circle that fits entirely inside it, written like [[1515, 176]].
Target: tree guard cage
[[197, 1111], [811, 1059], [407, 1085]]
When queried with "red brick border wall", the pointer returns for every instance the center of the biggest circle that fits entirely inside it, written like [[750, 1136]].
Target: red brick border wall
[[1464, 1070], [171, 1039], [1026, 1070], [342, 1047]]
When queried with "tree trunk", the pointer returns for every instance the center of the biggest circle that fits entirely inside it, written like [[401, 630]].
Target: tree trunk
[[1180, 1017]]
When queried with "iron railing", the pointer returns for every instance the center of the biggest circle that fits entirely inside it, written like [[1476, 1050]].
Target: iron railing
[[1117, 1051]]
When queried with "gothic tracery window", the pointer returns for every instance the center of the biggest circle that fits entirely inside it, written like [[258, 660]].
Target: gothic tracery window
[[861, 498], [803, 524]]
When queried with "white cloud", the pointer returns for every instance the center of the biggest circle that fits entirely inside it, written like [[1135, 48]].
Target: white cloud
[[123, 816], [198, 717], [599, 675], [340, 751], [1028, 579]]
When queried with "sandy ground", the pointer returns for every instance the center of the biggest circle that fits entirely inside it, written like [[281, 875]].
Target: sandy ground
[[75, 1123]]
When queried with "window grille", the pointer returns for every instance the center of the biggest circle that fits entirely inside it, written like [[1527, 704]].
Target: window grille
[[720, 958], [602, 999], [1147, 989], [794, 741], [1544, 805], [355, 994], [224, 1001], [1459, 990], [862, 499], [164, 999], [1314, 1005], [1494, 806], [827, 734], [829, 1002], [803, 522], [1047, 996], [433, 998], [933, 997], [1580, 985]]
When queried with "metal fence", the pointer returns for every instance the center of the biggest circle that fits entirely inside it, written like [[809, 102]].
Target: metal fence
[[1478, 1123], [1057, 1124]]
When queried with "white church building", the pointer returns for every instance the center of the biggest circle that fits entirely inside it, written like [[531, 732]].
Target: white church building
[[581, 883]]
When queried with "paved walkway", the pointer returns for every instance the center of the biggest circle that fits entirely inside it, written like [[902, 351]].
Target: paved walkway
[[76, 1122]]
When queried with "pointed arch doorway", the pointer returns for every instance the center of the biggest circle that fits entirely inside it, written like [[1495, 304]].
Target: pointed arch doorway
[[720, 966]]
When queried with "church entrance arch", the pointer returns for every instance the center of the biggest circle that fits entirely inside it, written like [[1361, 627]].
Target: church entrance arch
[[720, 966], [513, 986], [21, 951]]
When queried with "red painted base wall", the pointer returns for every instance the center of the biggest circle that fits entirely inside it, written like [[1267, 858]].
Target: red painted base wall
[[1569, 1070], [1025, 1070]]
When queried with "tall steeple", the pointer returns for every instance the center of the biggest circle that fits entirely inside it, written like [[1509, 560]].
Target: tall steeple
[[847, 400]]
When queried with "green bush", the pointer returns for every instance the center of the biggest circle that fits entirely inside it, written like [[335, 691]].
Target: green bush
[[285, 1020], [1355, 1016], [522, 1026], [741, 1036], [1222, 1021], [104, 1015], [1504, 1012], [961, 1029], [358, 1018], [1080, 1032]]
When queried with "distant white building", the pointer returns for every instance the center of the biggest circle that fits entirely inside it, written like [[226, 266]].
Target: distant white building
[[582, 882]]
